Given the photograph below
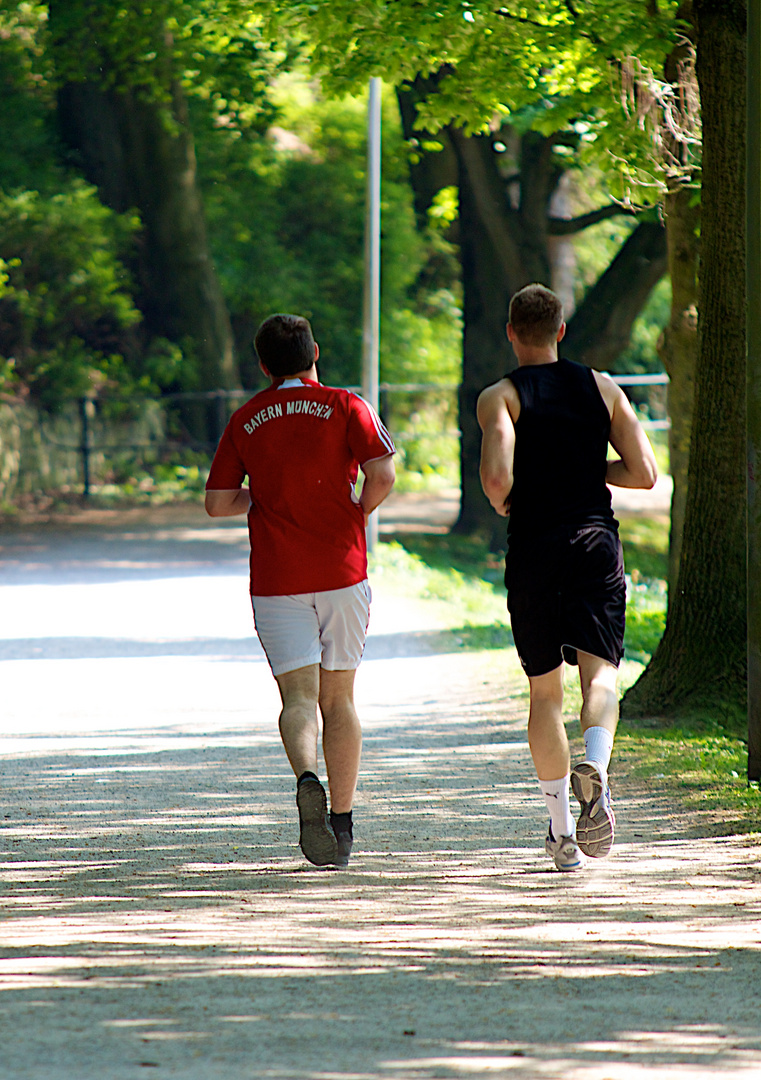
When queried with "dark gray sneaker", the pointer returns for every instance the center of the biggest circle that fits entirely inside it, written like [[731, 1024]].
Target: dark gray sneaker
[[344, 841], [341, 825], [596, 825], [316, 837]]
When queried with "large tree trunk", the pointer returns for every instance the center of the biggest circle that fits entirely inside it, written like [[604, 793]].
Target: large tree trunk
[[701, 661], [495, 263], [678, 352], [140, 154]]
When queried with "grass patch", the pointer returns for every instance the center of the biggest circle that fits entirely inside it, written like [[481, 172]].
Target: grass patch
[[705, 773], [466, 601], [469, 556], [646, 546]]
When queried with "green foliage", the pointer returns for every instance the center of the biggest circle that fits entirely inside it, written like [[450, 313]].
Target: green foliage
[[644, 630], [458, 592], [286, 213], [297, 202], [424, 425], [646, 545], [64, 298], [545, 59], [141, 46], [28, 146], [645, 542]]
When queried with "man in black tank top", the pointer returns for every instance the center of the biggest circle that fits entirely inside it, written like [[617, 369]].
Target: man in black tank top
[[546, 429]]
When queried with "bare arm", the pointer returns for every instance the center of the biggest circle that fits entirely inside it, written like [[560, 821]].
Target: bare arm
[[635, 467], [380, 474], [227, 503], [497, 445]]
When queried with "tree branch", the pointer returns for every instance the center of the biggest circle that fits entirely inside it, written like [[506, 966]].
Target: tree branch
[[570, 226], [520, 18], [601, 326]]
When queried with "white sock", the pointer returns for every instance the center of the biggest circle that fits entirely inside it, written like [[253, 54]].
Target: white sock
[[557, 796], [598, 746]]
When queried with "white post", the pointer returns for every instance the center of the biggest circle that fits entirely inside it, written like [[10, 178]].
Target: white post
[[371, 313]]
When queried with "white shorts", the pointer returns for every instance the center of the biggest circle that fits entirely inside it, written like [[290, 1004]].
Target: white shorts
[[325, 628]]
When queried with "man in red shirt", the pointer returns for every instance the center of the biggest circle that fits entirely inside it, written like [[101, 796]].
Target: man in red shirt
[[301, 445]]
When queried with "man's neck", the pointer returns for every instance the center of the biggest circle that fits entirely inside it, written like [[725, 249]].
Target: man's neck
[[309, 373], [533, 355]]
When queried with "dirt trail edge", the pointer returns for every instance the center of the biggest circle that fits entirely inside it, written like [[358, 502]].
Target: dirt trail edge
[[158, 919]]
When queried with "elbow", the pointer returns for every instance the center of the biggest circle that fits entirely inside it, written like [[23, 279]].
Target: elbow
[[211, 507], [390, 474], [496, 486], [649, 476]]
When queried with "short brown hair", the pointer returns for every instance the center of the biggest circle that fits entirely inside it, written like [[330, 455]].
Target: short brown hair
[[536, 315], [285, 344]]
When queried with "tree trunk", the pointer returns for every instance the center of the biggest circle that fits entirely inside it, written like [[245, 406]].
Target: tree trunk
[[753, 279], [492, 259], [140, 155], [701, 661], [678, 352]]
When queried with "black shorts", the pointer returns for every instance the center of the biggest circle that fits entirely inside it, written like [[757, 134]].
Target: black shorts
[[566, 593]]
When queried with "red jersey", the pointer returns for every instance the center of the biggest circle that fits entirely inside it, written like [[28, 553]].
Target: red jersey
[[301, 445]]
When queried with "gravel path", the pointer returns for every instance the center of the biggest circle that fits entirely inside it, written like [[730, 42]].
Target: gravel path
[[157, 918]]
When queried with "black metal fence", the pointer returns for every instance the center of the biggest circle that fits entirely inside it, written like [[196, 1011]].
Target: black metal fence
[[103, 437]]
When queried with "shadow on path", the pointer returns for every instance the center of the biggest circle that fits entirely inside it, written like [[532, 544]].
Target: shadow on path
[[157, 915]]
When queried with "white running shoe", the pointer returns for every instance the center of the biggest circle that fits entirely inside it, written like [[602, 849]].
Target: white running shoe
[[565, 851], [596, 825]]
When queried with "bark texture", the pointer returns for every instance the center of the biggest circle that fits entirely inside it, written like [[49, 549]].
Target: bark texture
[[678, 352], [701, 661]]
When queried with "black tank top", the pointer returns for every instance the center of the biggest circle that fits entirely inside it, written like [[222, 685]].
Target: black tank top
[[561, 444]]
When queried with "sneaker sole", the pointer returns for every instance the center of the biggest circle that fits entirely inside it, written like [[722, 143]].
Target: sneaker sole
[[316, 838], [595, 828]]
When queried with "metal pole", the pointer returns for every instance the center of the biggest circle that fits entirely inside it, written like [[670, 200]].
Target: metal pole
[[86, 408], [753, 327], [371, 306]]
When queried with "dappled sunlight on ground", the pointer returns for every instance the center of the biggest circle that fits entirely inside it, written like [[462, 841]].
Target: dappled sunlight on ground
[[157, 914]]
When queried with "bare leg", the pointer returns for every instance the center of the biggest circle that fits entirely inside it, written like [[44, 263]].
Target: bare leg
[[547, 739], [299, 691], [548, 743], [341, 737], [598, 691]]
